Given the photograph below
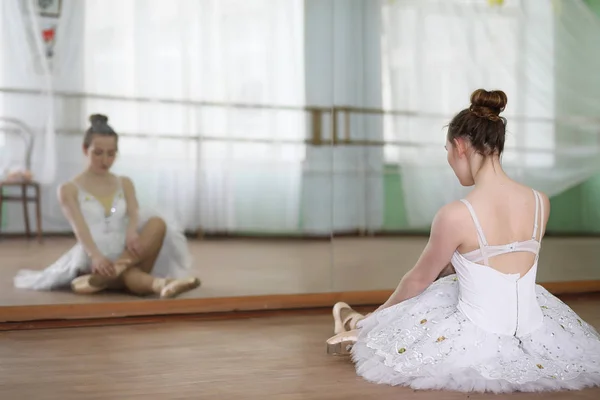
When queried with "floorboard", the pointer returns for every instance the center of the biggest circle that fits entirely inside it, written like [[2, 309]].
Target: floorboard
[[277, 357]]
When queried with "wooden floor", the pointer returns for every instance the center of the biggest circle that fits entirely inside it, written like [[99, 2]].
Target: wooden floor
[[280, 357]]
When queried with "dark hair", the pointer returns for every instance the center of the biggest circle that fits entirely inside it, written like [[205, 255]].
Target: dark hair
[[481, 123], [99, 126]]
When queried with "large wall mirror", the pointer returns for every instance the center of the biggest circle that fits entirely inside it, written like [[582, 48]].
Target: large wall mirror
[[403, 69], [223, 111], [297, 144]]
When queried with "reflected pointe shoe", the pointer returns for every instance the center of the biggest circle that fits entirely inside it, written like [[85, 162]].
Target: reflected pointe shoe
[[178, 286], [89, 284], [347, 323], [341, 344], [92, 283]]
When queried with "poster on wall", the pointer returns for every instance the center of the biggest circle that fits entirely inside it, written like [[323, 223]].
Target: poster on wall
[[47, 13], [48, 36]]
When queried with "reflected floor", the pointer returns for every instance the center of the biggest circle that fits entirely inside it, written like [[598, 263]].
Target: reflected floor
[[253, 267], [227, 268]]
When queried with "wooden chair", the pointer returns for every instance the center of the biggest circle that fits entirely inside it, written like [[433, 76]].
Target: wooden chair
[[16, 127]]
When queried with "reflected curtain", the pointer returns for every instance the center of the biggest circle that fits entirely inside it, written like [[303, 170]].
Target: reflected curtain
[[23, 64], [29, 79], [435, 53], [215, 165], [208, 96], [351, 52]]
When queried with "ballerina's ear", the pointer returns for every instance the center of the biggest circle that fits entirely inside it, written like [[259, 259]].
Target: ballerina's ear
[[461, 146]]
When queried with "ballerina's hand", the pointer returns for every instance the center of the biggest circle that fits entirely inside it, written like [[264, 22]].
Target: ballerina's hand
[[102, 266], [134, 244]]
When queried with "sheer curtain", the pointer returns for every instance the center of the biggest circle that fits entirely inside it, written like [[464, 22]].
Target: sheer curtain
[[23, 65], [28, 82], [207, 94], [435, 53], [216, 76], [357, 184]]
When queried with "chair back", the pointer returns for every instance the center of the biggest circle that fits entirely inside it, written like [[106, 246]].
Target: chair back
[[14, 128]]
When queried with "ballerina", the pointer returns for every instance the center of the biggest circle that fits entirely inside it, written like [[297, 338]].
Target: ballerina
[[487, 327], [118, 246]]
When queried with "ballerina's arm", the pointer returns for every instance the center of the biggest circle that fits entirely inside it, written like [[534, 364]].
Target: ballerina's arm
[[444, 239], [132, 205], [449, 270], [67, 196]]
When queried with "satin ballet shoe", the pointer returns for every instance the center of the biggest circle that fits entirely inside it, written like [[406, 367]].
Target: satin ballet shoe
[[341, 344], [352, 321], [91, 283], [179, 286], [347, 323]]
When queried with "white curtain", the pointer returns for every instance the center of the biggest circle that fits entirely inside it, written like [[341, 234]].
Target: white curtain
[[208, 96], [346, 47], [190, 85], [28, 81], [223, 168], [25, 67], [435, 53]]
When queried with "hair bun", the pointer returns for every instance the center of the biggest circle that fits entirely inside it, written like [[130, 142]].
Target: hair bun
[[488, 104], [96, 119]]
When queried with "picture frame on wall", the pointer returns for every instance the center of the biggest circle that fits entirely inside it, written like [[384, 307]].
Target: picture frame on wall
[[49, 8]]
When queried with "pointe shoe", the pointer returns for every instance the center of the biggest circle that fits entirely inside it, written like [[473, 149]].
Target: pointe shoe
[[91, 283], [347, 323], [178, 286], [341, 344]]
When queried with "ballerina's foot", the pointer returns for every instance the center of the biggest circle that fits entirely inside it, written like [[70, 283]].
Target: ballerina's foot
[[121, 266], [178, 286]]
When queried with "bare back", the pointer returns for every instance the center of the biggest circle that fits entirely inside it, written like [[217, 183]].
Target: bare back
[[512, 220]]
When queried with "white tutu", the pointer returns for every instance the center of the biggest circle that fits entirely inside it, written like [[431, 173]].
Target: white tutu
[[427, 343], [174, 259]]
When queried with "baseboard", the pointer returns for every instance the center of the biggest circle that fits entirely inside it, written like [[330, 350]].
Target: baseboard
[[572, 287], [131, 308], [199, 235], [156, 319], [44, 316]]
